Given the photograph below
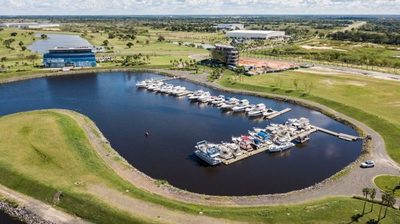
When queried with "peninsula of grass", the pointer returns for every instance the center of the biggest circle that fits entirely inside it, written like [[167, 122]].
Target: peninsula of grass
[[45, 152], [388, 183], [371, 101]]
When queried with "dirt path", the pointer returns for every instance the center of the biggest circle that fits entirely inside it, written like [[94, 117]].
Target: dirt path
[[40, 209], [347, 185]]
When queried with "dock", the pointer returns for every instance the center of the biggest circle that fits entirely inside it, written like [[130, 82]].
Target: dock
[[278, 113], [339, 135], [244, 155], [301, 138]]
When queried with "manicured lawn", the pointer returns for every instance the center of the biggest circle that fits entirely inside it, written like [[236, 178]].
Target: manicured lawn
[[44, 152], [388, 183], [372, 101]]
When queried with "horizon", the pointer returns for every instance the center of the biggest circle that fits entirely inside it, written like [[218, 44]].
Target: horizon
[[198, 7]]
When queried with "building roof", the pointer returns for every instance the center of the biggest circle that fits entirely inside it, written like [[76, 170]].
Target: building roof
[[253, 31], [224, 46]]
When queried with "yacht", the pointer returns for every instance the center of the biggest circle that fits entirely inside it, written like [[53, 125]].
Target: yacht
[[268, 112], [228, 105], [210, 153], [243, 104], [204, 98], [194, 96]]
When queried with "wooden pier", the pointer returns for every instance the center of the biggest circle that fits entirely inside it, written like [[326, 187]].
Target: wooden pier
[[277, 113], [339, 135]]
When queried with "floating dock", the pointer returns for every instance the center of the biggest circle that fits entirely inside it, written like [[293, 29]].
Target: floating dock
[[339, 135], [277, 113]]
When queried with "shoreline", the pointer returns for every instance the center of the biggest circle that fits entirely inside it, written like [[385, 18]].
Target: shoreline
[[171, 192]]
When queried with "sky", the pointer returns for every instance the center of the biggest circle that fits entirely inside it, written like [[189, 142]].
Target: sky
[[196, 7]]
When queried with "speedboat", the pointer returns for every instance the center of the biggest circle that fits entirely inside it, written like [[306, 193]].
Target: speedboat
[[280, 147], [217, 100], [268, 112], [141, 84], [259, 106]]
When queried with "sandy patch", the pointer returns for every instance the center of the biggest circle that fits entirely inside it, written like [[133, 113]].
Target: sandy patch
[[308, 47], [355, 83]]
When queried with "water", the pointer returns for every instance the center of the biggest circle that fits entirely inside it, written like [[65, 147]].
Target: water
[[57, 40], [6, 219], [123, 113]]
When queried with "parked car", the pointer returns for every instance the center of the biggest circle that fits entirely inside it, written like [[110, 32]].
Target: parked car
[[367, 164]]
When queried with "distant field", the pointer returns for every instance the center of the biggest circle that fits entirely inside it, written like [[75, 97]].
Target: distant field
[[44, 152], [372, 101]]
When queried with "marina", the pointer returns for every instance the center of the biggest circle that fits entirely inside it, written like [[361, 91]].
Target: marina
[[223, 103], [125, 113], [273, 138]]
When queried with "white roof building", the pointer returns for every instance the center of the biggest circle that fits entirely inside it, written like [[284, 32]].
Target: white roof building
[[255, 34], [230, 26], [32, 25]]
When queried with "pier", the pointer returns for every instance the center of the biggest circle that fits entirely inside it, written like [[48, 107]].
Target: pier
[[339, 135], [277, 113]]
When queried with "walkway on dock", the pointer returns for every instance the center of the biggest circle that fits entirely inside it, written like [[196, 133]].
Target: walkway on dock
[[339, 135]]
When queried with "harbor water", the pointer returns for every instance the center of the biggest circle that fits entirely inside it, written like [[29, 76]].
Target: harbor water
[[174, 125]]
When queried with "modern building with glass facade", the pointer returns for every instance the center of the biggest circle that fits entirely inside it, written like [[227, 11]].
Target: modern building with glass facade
[[69, 57], [226, 54]]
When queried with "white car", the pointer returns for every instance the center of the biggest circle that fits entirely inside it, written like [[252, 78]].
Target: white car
[[367, 164]]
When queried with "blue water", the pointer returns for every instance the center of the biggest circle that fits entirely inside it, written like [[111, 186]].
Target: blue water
[[57, 40], [123, 113]]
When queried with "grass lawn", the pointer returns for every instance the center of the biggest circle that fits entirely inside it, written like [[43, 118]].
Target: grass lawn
[[44, 152], [372, 101], [388, 183]]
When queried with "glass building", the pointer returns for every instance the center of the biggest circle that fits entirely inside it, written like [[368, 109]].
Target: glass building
[[69, 57]]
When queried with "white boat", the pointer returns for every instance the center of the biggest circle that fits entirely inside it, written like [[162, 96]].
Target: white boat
[[194, 96], [205, 97], [235, 149], [243, 104], [141, 84], [259, 106], [228, 105], [268, 112], [225, 152], [219, 99], [255, 113], [208, 152], [281, 147]]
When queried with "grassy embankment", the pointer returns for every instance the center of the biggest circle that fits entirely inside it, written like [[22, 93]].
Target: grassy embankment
[[372, 101], [44, 152], [388, 183]]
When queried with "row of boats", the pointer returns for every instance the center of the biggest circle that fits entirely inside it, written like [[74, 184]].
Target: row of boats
[[273, 138], [222, 102]]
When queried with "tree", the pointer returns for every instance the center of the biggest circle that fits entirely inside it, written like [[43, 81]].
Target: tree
[[13, 34], [43, 36], [23, 48], [129, 44], [106, 42], [389, 202], [372, 194], [21, 43], [365, 192]]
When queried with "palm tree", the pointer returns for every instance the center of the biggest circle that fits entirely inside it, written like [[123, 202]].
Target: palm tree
[[390, 201], [383, 202], [372, 194], [365, 192]]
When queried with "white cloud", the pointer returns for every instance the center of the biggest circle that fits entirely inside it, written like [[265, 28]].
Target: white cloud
[[135, 7]]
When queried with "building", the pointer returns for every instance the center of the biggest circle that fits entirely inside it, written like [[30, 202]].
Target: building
[[69, 57], [225, 54], [230, 26], [256, 34], [31, 25]]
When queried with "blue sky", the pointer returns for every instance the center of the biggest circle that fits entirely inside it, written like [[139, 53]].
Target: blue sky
[[216, 7]]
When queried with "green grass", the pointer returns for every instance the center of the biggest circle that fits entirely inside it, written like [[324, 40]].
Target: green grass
[[358, 97], [44, 152], [388, 183]]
